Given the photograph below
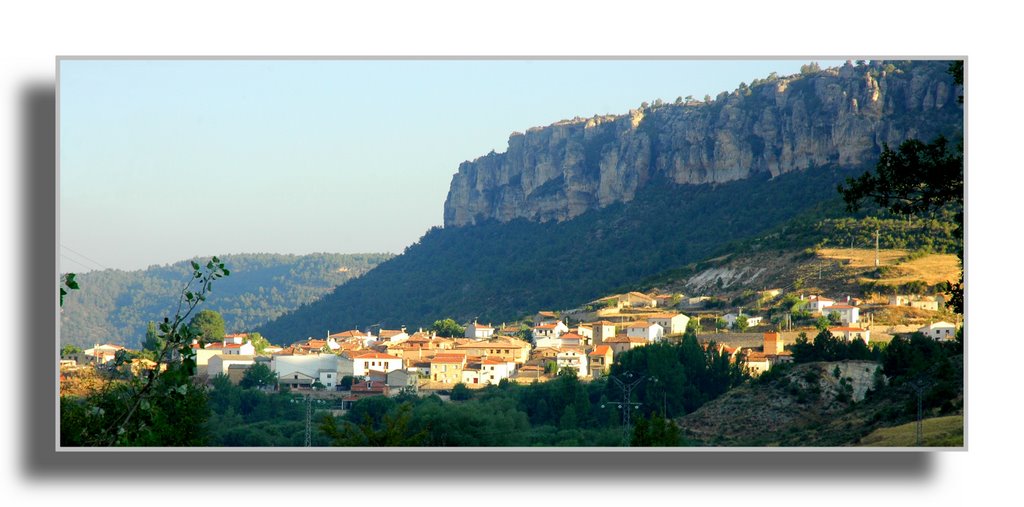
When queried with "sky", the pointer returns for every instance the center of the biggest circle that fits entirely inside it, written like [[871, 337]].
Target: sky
[[167, 159]]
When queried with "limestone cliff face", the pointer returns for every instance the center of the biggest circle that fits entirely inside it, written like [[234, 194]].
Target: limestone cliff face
[[776, 125]]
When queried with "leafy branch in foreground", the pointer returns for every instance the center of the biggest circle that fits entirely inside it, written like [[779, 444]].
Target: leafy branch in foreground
[[68, 281], [126, 411]]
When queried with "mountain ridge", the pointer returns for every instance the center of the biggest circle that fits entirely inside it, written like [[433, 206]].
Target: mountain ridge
[[776, 125]]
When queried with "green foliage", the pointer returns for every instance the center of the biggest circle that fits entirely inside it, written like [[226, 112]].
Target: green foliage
[[390, 430], [826, 347], [209, 325], [152, 343], [159, 407], [741, 323], [259, 376], [68, 350], [115, 306], [655, 431], [259, 343], [448, 328], [460, 392], [68, 281]]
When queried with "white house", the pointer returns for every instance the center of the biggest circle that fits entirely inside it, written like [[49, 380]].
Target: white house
[[730, 319], [549, 330], [362, 363], [572, 358], [847, 314], [478, 331], [819, 303], [238, 349], [941, 330], [649, 331], [851, 333], [672, 323], [493, 370], [393, 335]]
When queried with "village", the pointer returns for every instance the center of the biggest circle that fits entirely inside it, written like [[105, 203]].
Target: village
[[347, 366]]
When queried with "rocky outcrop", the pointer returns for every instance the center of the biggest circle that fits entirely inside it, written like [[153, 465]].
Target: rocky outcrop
[[776, 125]]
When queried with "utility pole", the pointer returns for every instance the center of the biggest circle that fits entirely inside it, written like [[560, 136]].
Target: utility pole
[[919, 386], [626, 405], [309, 420], [877, 230]]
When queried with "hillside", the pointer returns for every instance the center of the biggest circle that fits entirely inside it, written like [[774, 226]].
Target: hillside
[[809, 405], [835, 271], [499, 272], [114, 306]]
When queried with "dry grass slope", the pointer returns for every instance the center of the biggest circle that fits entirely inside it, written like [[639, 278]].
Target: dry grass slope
[[936, 432]]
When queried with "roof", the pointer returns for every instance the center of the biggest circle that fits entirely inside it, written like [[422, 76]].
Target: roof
[[570, 335], [375, 355], [602, 323], [548, 326], [940, 323], [625, 339], [448, 358], [388, 333], [601, 350], [640, 323], [665, 316]]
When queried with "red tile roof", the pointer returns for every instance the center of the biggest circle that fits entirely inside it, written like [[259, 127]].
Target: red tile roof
[[375, 355], [601, 350]]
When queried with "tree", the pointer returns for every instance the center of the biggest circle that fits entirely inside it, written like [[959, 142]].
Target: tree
[[209, 325], [741, 324], [68, 281], [152, 342], [68, 350], [259, 376], [460, 392], [161, 407], [388, 429], [448, 328], [656, 431], [259, 343], [917, 179]]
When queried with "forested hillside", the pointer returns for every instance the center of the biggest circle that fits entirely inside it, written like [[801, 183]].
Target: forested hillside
[[500, 272], [114, 306]]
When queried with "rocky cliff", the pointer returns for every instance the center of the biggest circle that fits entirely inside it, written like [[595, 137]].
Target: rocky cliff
[[775, 125]]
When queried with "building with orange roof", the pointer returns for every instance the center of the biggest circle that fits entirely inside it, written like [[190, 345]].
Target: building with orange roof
[[621, 343], [602, 330], [364, 362], [755, 362], [447, 368], [549, 331], [601, 361]]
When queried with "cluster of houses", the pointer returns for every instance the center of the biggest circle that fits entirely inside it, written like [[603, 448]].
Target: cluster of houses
[[360, 363]]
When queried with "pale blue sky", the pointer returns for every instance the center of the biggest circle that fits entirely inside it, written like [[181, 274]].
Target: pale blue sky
[[163, 160]]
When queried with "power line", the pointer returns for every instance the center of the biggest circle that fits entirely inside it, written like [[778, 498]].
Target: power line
[[79, 254], [65, 257]]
